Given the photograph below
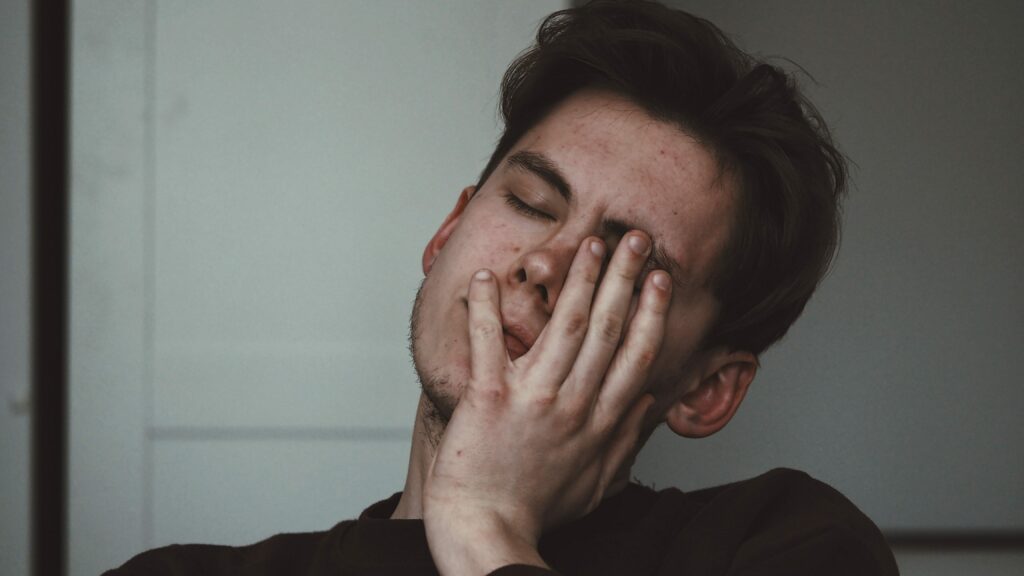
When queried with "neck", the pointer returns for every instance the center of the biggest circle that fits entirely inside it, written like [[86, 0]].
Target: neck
[[426, 434]]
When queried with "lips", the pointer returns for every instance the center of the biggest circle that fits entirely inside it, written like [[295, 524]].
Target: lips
[[518, 340]]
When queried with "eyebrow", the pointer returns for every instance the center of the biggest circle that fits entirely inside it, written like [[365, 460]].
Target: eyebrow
[[659, 259], [541, 166]]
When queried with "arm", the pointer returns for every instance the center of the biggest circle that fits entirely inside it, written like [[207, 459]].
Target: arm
[[538, 442]]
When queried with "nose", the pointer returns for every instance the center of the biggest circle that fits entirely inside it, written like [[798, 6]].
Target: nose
[[541, 272]]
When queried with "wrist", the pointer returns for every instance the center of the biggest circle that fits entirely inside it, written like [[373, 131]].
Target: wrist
[[473, 544]]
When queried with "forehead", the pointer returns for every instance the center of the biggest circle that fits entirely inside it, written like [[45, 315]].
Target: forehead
[[621, 163]]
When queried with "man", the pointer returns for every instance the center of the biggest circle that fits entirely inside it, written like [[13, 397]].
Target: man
[[657, 212]]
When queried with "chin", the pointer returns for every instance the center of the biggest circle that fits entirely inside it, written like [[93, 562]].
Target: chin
[[441, 382]]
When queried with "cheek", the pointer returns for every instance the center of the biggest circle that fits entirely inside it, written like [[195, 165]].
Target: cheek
[[489, 243]]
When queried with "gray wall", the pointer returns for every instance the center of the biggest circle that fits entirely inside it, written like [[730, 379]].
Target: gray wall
[[15, 409], [239, 294], [899, 385], [253, 183]]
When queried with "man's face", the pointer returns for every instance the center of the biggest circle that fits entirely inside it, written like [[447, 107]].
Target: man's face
[[597, 165]]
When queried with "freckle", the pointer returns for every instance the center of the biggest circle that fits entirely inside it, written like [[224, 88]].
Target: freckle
[[516, 249], [458, 452]]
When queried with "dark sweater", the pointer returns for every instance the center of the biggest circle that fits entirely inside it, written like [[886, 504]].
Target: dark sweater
[[781, 523]]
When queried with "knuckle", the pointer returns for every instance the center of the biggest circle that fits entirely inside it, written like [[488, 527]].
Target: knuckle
[[644, 357], [576, 413], [609, 327], [604, 422], [604, 429], [575, 418], [575, 324], [484, 394], [485, 329], [544, 400], [625, 273]]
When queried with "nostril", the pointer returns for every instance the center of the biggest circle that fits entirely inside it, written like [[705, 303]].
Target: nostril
[[543, 292], [521, 275]]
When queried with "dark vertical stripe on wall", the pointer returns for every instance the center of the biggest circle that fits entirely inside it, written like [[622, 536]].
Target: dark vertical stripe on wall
[[50, 55]]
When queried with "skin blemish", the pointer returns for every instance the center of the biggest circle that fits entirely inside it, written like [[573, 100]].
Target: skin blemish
[[516, 249]]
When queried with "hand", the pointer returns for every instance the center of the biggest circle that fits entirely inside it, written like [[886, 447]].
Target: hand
[[536, 442]]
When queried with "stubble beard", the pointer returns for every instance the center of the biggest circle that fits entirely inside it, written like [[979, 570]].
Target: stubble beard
[[440, 400]]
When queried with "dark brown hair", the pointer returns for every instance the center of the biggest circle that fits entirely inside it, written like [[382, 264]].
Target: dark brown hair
[[751, 115]]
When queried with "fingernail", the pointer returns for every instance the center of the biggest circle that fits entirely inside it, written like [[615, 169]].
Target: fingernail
[[483, 275], [661, 280], [597, 248], [638, 243]]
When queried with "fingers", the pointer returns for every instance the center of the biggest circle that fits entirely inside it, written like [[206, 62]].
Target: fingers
[[559, 343], [632, 363], [609, 315], [591, 354], [488, 355]]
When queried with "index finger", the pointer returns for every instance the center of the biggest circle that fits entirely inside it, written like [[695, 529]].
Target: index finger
[[488, 355]]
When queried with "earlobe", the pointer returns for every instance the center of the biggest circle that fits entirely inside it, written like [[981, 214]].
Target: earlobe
[[440, 237], [711, 401]]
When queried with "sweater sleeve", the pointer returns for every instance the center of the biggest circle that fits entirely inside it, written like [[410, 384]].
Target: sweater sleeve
[[522, 570]]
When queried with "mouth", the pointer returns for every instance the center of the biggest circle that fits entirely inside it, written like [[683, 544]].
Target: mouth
[[517, 340]]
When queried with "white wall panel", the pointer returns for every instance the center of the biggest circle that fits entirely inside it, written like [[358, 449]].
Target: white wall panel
[[290, 384], [108, 285], [240, 491], [305, 152]]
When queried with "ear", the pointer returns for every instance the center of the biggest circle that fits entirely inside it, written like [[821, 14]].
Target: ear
[[709, 402], [440, 237]]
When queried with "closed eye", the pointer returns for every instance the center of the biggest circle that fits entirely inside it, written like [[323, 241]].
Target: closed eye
[[523, 208]]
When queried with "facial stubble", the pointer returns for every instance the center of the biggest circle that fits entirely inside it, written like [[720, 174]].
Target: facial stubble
[[441, 400]]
